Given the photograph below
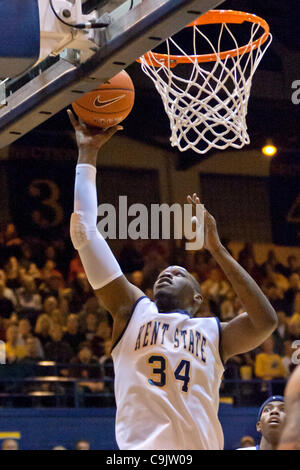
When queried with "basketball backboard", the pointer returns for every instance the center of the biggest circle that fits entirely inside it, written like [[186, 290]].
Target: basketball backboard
[[58, 79]]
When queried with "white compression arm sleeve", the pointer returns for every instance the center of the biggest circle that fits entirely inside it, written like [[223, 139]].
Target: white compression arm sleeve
[[98, 261]]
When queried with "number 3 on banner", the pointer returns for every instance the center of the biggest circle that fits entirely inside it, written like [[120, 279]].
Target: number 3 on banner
[[51, 203], [158, 374]]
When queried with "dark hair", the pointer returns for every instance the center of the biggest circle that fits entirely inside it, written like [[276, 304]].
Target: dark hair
[[82, 440], [83, 345]]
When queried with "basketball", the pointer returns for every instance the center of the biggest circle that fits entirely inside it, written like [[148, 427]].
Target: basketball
[[109, 104]]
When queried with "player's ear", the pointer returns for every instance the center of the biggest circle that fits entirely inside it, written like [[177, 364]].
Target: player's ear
[[198, 299], [258, 426]]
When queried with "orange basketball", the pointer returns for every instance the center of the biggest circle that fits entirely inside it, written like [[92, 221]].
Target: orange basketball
[[108, 104]]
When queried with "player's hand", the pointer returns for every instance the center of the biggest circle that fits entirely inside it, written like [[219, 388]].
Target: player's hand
[[211, 237], [91, 137]]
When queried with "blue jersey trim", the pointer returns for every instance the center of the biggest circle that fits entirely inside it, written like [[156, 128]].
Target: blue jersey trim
[[135, 303], [257, 447], [125, 328], [220, 339]]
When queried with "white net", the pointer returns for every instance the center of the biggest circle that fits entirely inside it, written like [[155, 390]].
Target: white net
[[207, 104]]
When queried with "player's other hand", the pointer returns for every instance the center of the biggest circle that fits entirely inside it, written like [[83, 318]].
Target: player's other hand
[[91, 137], [211, 237]]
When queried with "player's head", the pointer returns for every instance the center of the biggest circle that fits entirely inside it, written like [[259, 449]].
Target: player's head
[[271, 418], [175, 288], [10, 444], [82, 445]]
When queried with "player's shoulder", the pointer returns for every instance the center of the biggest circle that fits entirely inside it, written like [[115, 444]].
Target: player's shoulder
[[142, 305]]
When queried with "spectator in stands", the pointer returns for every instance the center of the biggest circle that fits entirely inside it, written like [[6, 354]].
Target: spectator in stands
[[82, 445], [91, 325], [227, 309], [24, 328], [9, 444], [107, 366], [8, 293], [50, 254], [294, 327], [49, 269], [6, 305], [86, 367], [32, 355], [59, 448], [104, 333], [75, 268], [296, 306], [26, 257], [28, 297], [53, 281], [137, 278], [292, 266], [35, 273], [12, 273], [42, 328], [275, 295], [246, 252], [273, 277], [215, 286], [91, 306], [14, 349], [205, 309], [253, 269], [273, 262], [289, 296], [2, 329], [11, 236], [287, 358], [81, 291], [247, 441], [58, 350], [50, 303], [57, 317], [281, 333], [72, 335], [269, 366]]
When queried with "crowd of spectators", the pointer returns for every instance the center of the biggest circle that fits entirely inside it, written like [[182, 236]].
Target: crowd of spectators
[[48, 311], [13, 444]]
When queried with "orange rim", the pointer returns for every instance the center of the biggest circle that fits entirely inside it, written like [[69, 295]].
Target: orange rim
[[213, 17]]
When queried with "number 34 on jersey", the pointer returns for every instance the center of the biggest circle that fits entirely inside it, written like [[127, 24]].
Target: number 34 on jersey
[[160, 372]]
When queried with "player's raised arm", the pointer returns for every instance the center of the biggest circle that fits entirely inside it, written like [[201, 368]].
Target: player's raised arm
[[102, 269], [250, 329]]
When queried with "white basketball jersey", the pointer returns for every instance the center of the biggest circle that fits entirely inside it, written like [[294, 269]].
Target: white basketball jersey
[[168, 372]]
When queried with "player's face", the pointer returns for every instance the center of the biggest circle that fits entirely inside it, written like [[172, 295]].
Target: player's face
[[173, 289], [272, 418]]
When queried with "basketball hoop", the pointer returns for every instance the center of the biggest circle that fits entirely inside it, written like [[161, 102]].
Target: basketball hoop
[[208, 108]]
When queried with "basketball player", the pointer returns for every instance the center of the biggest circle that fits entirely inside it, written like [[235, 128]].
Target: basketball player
[[270, 422], [290, 439], [168, 365]]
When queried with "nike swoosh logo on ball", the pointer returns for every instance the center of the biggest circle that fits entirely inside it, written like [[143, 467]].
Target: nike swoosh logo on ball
[[98, 103]]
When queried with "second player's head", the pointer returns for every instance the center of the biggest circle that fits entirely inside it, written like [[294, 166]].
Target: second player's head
[[175, 288], [271, 418]]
